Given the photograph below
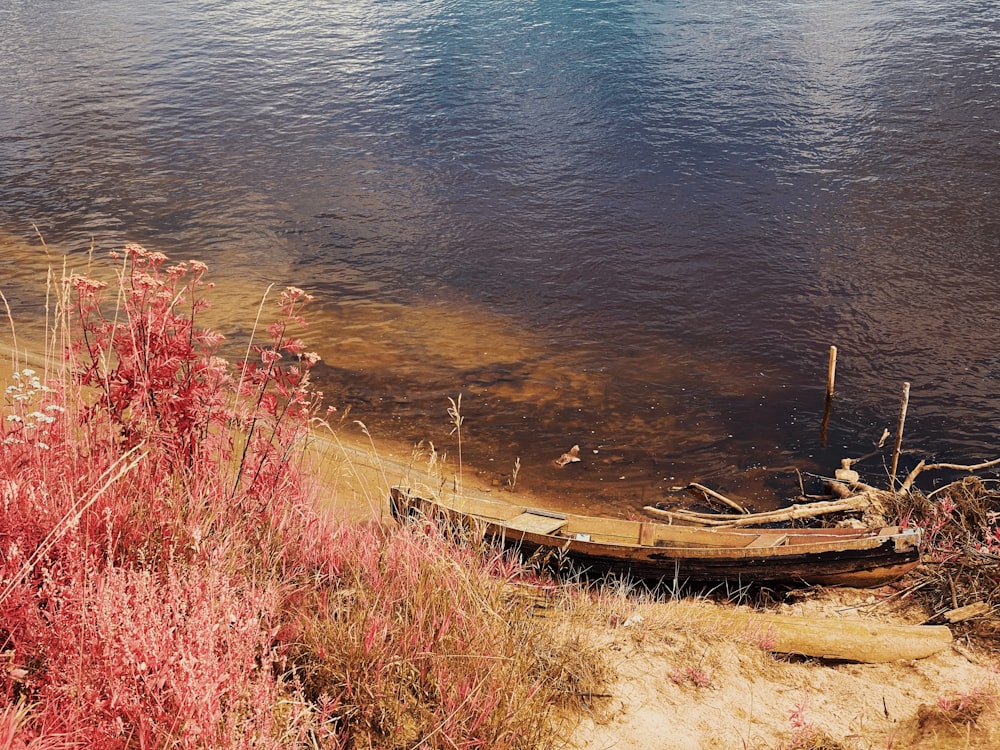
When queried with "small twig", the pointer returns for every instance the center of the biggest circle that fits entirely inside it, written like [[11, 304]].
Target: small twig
[[954, 594], [586, 694], [911, 477], [903, 593], [870, 454]]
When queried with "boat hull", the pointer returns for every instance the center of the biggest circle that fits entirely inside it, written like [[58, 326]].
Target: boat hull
[[657, 552], [838, 567]]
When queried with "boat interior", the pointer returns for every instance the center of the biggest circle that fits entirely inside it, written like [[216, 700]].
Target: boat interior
[[516, 518]]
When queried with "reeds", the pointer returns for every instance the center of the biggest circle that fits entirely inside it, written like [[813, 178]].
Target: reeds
[[420, 647]]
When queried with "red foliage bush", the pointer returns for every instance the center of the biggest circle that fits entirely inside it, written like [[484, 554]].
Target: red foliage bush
[[149, 507]]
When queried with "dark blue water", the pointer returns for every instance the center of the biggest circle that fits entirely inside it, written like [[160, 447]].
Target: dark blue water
[[635, 226]]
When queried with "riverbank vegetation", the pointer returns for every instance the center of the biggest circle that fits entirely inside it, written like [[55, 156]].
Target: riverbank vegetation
[[168, 581], [168, 578]]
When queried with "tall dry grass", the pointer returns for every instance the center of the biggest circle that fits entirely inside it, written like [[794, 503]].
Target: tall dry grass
[[168, 582]]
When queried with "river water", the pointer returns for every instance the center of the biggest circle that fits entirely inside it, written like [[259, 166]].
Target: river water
[[632, 226]]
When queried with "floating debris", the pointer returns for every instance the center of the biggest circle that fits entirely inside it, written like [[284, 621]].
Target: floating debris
[[570, 457]]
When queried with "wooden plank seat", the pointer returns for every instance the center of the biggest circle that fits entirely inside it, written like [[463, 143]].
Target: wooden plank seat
[[536, 523]]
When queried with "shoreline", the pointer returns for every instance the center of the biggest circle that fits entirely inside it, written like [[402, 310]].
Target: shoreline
[[360, 469]]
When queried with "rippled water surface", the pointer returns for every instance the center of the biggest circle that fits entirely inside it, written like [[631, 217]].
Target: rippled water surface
[[634, 226]]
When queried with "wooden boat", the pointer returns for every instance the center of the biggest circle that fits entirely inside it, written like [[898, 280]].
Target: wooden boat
[[651, 551]]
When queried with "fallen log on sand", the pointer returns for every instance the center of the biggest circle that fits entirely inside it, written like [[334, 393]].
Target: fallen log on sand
[[839, 639]]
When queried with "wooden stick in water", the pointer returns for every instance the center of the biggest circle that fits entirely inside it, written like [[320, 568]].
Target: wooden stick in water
[[831, 372], [707, 492], [899, 435], [825, 424]]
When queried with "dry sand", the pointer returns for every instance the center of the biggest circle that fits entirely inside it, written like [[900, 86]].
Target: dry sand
[[674, 688]]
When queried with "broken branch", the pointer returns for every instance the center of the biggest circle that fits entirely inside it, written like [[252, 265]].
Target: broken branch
[[708, 492], [924, 466]]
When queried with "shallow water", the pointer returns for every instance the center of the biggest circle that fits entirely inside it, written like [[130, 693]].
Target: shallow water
[[635, 226]]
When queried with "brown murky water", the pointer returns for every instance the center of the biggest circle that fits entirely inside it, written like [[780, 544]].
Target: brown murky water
[[636, 227]]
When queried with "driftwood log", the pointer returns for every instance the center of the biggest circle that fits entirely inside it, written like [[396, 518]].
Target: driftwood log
[[924, 466], [863, 501], [840, 639]]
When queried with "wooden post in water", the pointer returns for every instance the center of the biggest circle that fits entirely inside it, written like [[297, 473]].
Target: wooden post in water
[[831, 375], [899, 435], [831, 372]]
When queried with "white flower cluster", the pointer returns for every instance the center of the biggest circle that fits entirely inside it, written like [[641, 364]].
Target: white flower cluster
[[28, 390], [26, 386]]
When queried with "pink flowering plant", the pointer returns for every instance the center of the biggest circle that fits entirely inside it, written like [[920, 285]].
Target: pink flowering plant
[[167, 581], [132, 503]]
